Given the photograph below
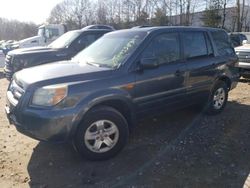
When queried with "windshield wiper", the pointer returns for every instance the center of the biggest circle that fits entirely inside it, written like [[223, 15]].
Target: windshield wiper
[[93, 64], [98, 65]]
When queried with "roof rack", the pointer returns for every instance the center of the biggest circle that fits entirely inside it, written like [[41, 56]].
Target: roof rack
[[99, 26]]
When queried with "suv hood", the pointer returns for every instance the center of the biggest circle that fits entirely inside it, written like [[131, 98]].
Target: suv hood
[[65, 71], [32, 50]]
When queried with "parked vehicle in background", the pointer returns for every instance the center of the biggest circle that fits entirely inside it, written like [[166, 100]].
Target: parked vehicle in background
[[95, 99], [243, 53], [46, 34], [247, 34], [2, 56], [64, 48], [1, 43], [7, 46], [237, 39]]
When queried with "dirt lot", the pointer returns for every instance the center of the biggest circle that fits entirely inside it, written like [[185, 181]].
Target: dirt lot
[[179, 149]]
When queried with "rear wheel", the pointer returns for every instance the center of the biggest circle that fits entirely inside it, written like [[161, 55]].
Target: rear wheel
[[218, 99], [246, 76], [102, 134]]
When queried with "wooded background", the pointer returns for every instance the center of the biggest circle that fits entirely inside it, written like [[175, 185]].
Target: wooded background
[[76, 14]]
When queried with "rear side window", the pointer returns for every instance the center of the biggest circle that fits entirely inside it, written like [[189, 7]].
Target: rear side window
[[222, 43], [194, 44], [165, 48], [85, 40]]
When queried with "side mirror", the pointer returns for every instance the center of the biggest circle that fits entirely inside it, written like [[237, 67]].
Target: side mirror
[[149, 63]]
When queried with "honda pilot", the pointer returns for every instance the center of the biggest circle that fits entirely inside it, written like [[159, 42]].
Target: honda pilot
[[96, 99]]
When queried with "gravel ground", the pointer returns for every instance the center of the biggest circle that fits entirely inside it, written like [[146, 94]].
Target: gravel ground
[[179, 149]]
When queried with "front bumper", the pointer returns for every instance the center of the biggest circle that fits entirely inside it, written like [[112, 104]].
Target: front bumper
[[44, 125], [244, 68], [244, 65]]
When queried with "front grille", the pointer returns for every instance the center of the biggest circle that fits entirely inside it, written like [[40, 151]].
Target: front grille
[[14, 93], [8, 61], [244, 56]]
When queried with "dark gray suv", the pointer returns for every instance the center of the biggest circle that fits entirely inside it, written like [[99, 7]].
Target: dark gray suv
[[95, 99]]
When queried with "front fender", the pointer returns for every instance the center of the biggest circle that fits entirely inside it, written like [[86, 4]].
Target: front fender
[[100, 97]]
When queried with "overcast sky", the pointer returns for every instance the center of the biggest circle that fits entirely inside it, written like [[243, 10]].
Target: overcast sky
[[27, 10]]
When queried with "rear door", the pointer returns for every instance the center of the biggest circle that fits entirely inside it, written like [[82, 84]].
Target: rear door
[[163, 85], [201, 63]]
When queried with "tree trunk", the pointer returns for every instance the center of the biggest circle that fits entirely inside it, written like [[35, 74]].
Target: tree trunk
[[238, 15], [224, 13], [242, 15]]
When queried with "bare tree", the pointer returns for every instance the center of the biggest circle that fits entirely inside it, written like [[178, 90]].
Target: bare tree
[[238, 15], [15, 30], [127, 13]]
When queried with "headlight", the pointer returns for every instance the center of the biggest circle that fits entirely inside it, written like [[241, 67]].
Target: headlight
[[49, 95]]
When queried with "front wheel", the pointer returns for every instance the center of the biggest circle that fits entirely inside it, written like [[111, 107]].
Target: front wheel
[[218, 99], [102, 134]]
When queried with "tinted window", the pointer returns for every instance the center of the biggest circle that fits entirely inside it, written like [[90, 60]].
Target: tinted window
[[86, 39], [235, 39], [194, 44], [65, 40], [164, 47], [104, 27], [222, 43]]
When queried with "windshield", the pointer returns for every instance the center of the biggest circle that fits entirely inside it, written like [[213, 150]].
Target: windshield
[[65, 40], [41, 31], [111, 50]]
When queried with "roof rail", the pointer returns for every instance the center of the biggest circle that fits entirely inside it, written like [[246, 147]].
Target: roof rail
[[99, 26]]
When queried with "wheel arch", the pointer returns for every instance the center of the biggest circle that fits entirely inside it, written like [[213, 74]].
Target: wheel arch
[[225, 79], [119, 103]]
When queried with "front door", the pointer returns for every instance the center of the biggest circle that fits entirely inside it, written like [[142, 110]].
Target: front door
[[163, 85]]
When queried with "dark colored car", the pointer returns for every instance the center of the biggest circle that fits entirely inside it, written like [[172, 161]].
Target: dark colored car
[[64, 48], [237, 39], [96, 98]]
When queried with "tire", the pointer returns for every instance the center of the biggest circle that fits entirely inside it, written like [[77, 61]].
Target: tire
[[102, 134], [218, 99], [246, 76]]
